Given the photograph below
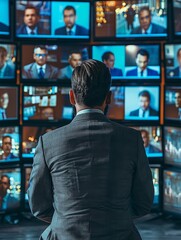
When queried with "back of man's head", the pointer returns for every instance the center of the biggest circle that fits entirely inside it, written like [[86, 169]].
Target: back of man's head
[[91, 82]]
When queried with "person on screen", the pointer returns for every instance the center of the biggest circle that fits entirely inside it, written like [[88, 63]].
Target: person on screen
[[144, 110], [176, 72], [74, 59], [4, 27], [85, 169], [7, 147], [40, 69], [7, 201], [149, 148], [31, 24], [130, 14], [108, 58], [174, 111], [7, 68], [142, 69], [146, 25], [4, 103], [71, 28]]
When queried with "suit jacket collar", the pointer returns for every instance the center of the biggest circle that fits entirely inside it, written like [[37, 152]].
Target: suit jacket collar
[[90, 116]]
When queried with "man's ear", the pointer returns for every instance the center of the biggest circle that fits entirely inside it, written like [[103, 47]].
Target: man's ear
[[108, 98], [72, 97]]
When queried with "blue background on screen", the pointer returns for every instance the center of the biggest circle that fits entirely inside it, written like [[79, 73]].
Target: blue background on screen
[[4, 12]]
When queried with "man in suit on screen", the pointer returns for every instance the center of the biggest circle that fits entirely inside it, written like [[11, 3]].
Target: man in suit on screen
[[91, 177], [7, 67], [71, 28], [142, 69], [176, 72]]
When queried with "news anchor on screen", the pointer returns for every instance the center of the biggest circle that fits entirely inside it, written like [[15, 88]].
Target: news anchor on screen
[[40, 69], [174, 110], [3, 27], [31, 25], [7, 67], [176, 72], [71, 28], [146, 26], [142, 69], [7, 148]]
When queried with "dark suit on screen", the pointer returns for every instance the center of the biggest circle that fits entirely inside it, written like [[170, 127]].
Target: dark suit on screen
[[155, 29], [79, 31], [11, 203], [9, 71], [30, 71], [134, 72], [116, 72], [88, 174], [66, 72], [152, 112], [3, 27], [174, 73], [22, 30]]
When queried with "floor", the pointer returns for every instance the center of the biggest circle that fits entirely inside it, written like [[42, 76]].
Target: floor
[[151, 228]]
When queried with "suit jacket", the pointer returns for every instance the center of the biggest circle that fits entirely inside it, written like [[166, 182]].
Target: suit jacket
[[30, 71], [134, 72], [3, 27], [116, 72], [9, 71], [89, 179], [155, 29], [22, 30], [174, 73], [135, 113], [79, 31], [9, 157], [66, 72]]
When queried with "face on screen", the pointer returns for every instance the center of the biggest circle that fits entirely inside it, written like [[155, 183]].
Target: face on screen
[[144, 102], [69, 18], [142, 61], [178, 99], [4, 100], [75, 59], [145, 19], [40, 56], [3, 55], [110, 61], [31, 18]]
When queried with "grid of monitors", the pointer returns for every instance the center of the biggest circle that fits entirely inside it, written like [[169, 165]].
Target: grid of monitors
[[172, 191], [53, 19], [5, 18]]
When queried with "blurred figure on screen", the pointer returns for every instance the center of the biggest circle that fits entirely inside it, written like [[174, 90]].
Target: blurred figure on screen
[[109, 59], [71, 28], [176, 72], [7, 68], [4, 102], [40, 69], [130, 14], [47, 113], [149, 148], [144, 110], [74, 60], [146, 25], [7, 147], [174, 111], [3, 27], [142, 69], [31, 24], [7, 201]]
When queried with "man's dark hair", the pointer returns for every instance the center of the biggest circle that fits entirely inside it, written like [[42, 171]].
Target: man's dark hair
[[34, 8], [6, 136], [68, 8], [179, 50], [74, 52], [143, 52], [105, 56], [3, 51], [144, 93], [5, 176], [91, 82], [144, 8]]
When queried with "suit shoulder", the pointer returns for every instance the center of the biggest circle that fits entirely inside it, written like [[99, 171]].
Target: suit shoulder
[[59, 30], [57, 131], [135, 30]]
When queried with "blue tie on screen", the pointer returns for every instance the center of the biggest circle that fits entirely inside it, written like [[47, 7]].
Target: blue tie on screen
[[41, 73], [70, 32], [143, 114], [32, 33], [141, 73]]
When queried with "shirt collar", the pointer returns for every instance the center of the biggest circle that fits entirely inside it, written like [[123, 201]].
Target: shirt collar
[[148, 30], [89, 111], [29, 30], [43, 67], [144, 72], [73, 29]]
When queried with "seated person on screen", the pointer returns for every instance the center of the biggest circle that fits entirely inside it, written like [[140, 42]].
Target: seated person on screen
[[108, 58], [74, 60], [31, 24], [146, 26], [142, 69], [71, 28], [176, 72], [3, 27], [7, 68], [149, 148], [40, 69], [4, 102], [7, 201], [174, 111], [144, 110], [7, 147]]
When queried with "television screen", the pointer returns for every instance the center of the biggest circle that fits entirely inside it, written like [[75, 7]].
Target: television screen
[[9, 144], [10, 189], [8, 103], [156, 184], [173, 61], [141, 103], [177, 16], [7, 61], [46, 103], [30, 139], [172, 191], [27, 178], [131, 19], [172, 145], [51, 62], [152, 140], [53, 19], [173, 103], [4, 18], [137, 62]]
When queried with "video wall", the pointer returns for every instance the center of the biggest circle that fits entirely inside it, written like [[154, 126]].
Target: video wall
[[41, 42]]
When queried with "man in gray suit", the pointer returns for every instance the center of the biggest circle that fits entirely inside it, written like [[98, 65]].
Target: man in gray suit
[[40, 69], [91, 177]]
